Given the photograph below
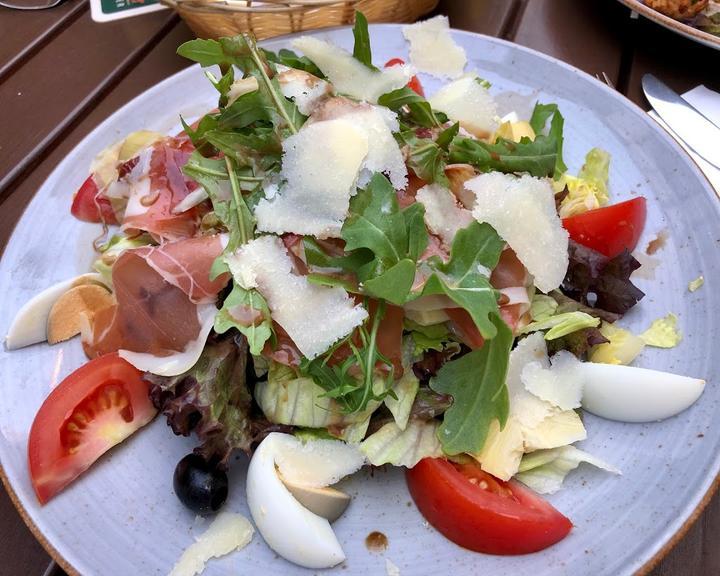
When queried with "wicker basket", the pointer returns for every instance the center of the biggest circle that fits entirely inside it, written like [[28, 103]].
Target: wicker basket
[[215, 18]]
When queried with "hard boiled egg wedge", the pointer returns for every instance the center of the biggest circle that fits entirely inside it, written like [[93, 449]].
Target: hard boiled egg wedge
[[290, 529], [31, 322], [631, 394]]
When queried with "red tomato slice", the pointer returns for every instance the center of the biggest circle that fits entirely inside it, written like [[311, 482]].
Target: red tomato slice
[[414, 83], [611, 229], [480, 512], [89, 412], [88, 205]]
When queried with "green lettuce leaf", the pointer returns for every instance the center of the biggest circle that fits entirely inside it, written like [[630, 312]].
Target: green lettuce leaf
[[545, 470], [542, 307], [476, 382], [289, 398], [392, 445], [563, 324], [111, 250], [248, 312], [464, 279], [432, 337], [401, 402], [425, 157]]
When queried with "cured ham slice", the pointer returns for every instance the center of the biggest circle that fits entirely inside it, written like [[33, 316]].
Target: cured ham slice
[[157, 291], [512, 279], [154, 193], [186, 265]]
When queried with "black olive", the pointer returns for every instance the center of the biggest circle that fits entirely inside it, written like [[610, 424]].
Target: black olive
[[201, 487]]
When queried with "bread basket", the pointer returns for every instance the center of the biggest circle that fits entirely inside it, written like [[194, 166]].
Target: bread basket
[[215, 18]]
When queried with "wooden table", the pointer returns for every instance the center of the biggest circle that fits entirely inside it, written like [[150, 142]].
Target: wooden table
[[61, 74]]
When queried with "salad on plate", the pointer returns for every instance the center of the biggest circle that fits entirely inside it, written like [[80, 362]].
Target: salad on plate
[[331, 270]]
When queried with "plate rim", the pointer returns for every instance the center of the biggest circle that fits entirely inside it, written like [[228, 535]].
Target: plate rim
[[702, 499], [699, 36]]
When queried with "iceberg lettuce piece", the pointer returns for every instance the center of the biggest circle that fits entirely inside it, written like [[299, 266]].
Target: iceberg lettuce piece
[[589, 189], [545, 470], [405, 391], [287, 398], [562, 324], [391, 445], [542, 307], [663, 333], [111, 250], [623, 346]]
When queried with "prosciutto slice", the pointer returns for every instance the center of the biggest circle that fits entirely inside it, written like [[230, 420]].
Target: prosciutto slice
[[159, 292], [158, 188]]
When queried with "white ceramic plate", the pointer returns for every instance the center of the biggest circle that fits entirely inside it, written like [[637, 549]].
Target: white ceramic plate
[[675, 25], [122, 516]]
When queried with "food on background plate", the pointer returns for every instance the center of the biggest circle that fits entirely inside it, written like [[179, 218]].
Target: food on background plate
[[330, 271], [702, 14]]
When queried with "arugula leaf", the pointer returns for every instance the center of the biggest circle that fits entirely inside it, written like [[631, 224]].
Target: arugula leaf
[[242, 51], [395, 238], [247, 311], [361, 49], [339, 380], [292, 60], [446, 136], [539, 118], [537, 157], [204, 52], [425, 157], [419, 109], [464, 279], [476, 381]]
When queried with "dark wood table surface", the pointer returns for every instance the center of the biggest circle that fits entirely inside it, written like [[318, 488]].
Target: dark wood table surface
[[61, 74]]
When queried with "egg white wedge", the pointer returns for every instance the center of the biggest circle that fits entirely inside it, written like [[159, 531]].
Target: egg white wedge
[[631, 394], [290, 529], [31, 321]]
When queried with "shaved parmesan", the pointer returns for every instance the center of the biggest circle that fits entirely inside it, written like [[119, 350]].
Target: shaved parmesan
[[503, 450], [228, 532], [522, 210], [316, 463], [525, 406], [303, 88], [241, 87], [432, 48], [560, 429], [315, 317], [350, 76], [561, 384], [320, 166], [178, 362], [467, 101], [443, 216]]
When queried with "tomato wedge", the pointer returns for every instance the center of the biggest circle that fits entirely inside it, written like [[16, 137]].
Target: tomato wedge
[[89, 206], [609, 230], [480, 512], [89, 412], [414, 83]]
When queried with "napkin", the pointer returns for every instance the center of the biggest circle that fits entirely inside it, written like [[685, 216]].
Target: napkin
[[707, 102]]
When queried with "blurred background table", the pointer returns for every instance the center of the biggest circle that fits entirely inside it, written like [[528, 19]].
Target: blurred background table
[[61, 74]]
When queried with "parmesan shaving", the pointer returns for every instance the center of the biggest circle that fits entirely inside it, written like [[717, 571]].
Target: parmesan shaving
[[306, 90], [320, 166], [467, 101], [350, 76], [228, 532], [315, 317], [522, 211], [433, 50], [561, 384], [443, 215]]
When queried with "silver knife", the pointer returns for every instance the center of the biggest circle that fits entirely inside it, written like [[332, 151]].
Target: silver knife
[[693, 128]]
